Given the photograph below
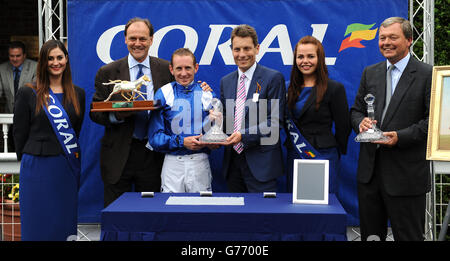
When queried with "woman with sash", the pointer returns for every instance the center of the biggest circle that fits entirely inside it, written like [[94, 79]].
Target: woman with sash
[[316, 105], [47, 121]]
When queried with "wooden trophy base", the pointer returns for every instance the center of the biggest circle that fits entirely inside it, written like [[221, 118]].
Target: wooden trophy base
[[124, 106]]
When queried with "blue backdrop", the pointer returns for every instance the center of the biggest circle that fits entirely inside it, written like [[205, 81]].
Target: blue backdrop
[[347, 29]]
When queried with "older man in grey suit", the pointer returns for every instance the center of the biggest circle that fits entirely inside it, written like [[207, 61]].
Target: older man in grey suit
[[15, 73], [393, 175]]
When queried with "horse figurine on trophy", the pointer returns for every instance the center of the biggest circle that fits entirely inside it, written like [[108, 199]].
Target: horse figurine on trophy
[[130, 88]]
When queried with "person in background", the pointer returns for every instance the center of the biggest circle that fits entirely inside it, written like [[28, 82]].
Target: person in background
[[315, 104], [48, 115], [15, 73], [176, 127], [393, 175]]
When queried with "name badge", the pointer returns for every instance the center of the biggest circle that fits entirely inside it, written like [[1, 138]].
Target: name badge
[[255, 97]]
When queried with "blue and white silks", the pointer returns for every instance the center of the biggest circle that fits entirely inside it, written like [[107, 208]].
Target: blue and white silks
[[184, 112]]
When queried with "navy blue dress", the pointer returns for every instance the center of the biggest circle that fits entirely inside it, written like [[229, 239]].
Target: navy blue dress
[[48, 197], [330, 154]]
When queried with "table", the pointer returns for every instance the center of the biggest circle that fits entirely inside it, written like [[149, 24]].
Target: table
[[132, 217]]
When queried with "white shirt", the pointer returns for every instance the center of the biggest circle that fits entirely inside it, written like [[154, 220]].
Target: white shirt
[[134, 69], [398, 70], [248, 77]]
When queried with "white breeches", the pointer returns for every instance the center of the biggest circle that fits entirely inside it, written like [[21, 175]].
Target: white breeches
[[186, 173]]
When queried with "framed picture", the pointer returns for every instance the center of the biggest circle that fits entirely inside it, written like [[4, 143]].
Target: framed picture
[[438, 146], [310, 184]]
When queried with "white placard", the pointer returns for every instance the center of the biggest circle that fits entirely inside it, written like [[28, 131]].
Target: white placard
[[310, 184], [219, 201]]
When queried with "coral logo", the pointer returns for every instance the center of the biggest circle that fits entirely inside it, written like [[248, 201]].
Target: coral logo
[[358, 32]]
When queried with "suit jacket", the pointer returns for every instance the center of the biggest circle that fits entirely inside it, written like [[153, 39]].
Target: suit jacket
[[27, 75], [33, 134], [115, 144], [272, 87], [316, 125], [403, 167]]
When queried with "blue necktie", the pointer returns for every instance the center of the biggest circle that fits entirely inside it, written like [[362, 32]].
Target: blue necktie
[[16, 79], [141, 119], [139, 75]]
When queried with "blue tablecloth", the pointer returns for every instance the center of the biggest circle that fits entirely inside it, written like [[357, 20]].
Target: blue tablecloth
[[131, 217]]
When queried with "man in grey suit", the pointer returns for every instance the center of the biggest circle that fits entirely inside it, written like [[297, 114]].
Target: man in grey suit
[[15, 73], [393, 176]]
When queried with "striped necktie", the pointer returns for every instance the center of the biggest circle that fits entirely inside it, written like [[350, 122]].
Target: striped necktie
[[239, 111]]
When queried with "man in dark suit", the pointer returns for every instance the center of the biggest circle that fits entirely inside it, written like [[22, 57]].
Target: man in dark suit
[[254, 161], [393, 175], [125, 161]]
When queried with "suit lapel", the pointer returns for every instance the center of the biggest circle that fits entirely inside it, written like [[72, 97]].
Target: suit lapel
[[231, 90], [255, 79], [400, 90], [25, 71], [122, 70], [10, 76], [154, 65], [380, 91]]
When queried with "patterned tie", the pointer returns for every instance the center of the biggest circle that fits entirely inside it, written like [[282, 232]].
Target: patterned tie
[[239, 111], [16, 79], [139, 75], [388, 90], [141, 119]]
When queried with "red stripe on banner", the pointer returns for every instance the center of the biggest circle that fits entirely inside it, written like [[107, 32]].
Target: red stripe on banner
[[346, 43]]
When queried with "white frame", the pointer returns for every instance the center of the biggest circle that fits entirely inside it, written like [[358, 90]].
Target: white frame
[[299, 162]]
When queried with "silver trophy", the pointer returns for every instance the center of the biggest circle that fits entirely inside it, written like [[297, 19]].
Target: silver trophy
[[215, 134], [372, 134]]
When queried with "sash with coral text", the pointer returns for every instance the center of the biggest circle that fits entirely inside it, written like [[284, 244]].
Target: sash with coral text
[[303, 149], [60, 122]]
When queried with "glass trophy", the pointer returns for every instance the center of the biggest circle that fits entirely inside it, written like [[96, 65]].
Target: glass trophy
[[215, 134], [372, 134]]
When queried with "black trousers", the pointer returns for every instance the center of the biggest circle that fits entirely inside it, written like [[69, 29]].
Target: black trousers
[[142, 172], [241, 180], [405, 213]]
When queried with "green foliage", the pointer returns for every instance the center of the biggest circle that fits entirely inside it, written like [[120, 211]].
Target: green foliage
[[441, 32]]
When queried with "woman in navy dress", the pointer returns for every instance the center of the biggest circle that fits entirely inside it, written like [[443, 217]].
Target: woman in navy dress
[[317, 104], [48, 182]]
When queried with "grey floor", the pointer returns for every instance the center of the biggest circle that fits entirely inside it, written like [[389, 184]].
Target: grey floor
[[91, 232]]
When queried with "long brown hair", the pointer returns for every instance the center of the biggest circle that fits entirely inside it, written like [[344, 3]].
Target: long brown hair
[[42, 84], [297, 81]]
